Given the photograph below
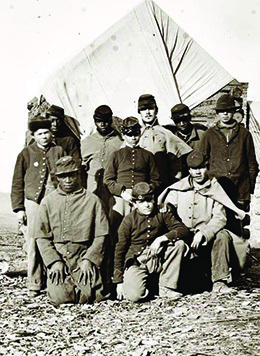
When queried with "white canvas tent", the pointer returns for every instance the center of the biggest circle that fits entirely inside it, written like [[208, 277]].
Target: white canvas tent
[[145, 52]]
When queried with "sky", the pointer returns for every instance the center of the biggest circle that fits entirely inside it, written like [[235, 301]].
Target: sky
[[38, 36]]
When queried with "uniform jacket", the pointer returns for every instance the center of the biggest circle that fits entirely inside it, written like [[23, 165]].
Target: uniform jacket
[[166, 148], [31, 173], [234, 159], [95, 151], [195, 136], [70, 146], [66, 221], [138, 231], [129, 166]]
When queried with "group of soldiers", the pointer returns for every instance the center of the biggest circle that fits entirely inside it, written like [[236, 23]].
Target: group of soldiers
[[127, 211]]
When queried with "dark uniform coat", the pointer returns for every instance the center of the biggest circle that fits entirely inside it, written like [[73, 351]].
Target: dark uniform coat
[[233, 158]]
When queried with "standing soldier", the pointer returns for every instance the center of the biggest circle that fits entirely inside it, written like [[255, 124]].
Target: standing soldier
[[34, 177], [62, 135], [95, 150], [165, 146], [230, 149], [191, 133]]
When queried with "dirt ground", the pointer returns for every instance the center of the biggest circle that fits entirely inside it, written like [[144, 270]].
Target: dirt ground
[[196, 325]]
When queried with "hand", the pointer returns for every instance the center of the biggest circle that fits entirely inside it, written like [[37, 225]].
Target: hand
[[21, 217], [88, 272], [198, 239], [57, 272], [155, 247], [120, 291], [163, 208], [127, 195]]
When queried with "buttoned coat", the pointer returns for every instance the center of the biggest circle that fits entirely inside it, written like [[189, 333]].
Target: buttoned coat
[[234, 159], [33, 165], [129, 166], [95, 151], [166, 148]]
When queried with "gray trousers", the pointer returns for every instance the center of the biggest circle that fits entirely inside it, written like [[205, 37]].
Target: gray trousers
[[167, 264], [34, 260]]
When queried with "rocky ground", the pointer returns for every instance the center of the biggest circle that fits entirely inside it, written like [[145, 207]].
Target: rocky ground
[[197, 325]]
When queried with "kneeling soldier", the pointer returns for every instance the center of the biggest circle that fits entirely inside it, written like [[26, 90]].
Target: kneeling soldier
[[72, 236], [149, 242]]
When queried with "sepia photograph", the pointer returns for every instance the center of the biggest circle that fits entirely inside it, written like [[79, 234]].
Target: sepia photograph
[[130, 187]]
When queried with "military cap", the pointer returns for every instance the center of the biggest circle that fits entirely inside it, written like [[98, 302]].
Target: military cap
[[225, 102], [130, 126], [146, 101], [56, 111], [103, 113], [179, 110], [196, 159], [65, 165], [38, 122], [142, 191]]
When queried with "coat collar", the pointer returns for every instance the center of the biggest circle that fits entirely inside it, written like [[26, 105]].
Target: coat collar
[[211, 189]]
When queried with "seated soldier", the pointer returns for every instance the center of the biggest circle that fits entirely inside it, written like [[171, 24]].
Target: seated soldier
[[201, 204], [149, 242], [72, 236]]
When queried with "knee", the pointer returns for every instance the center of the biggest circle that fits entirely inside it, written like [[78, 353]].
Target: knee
[[135, 294], [180, 246], [63, 293], [222, 237]]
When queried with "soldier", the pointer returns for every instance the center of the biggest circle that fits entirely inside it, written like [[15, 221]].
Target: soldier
[[126, 167], [230, 149], [72, 236], [165, 146], [149, 242], [191, 133], [96, 149], [33, 179], [62, 135], [201, 205]]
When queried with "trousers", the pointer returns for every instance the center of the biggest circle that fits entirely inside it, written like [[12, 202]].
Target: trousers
[[35, 271], [167, 264]]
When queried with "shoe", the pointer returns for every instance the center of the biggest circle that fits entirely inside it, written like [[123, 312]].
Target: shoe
[[169, 293], [33, 293], [222, 288]]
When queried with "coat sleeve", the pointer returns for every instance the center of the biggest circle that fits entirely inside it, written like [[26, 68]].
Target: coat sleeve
[[110, 176], [216, 223], [177, 230], [17, 192], [154, 173], [44, 237], [252, 162], [122, 246]]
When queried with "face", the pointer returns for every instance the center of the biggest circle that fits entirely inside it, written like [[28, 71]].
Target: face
[[145, 207], [183, 123], [131, 141], [199, 175], [55, 123], [225, 116], [148, 115], [103, 127], [43, 137], [69, 182]]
